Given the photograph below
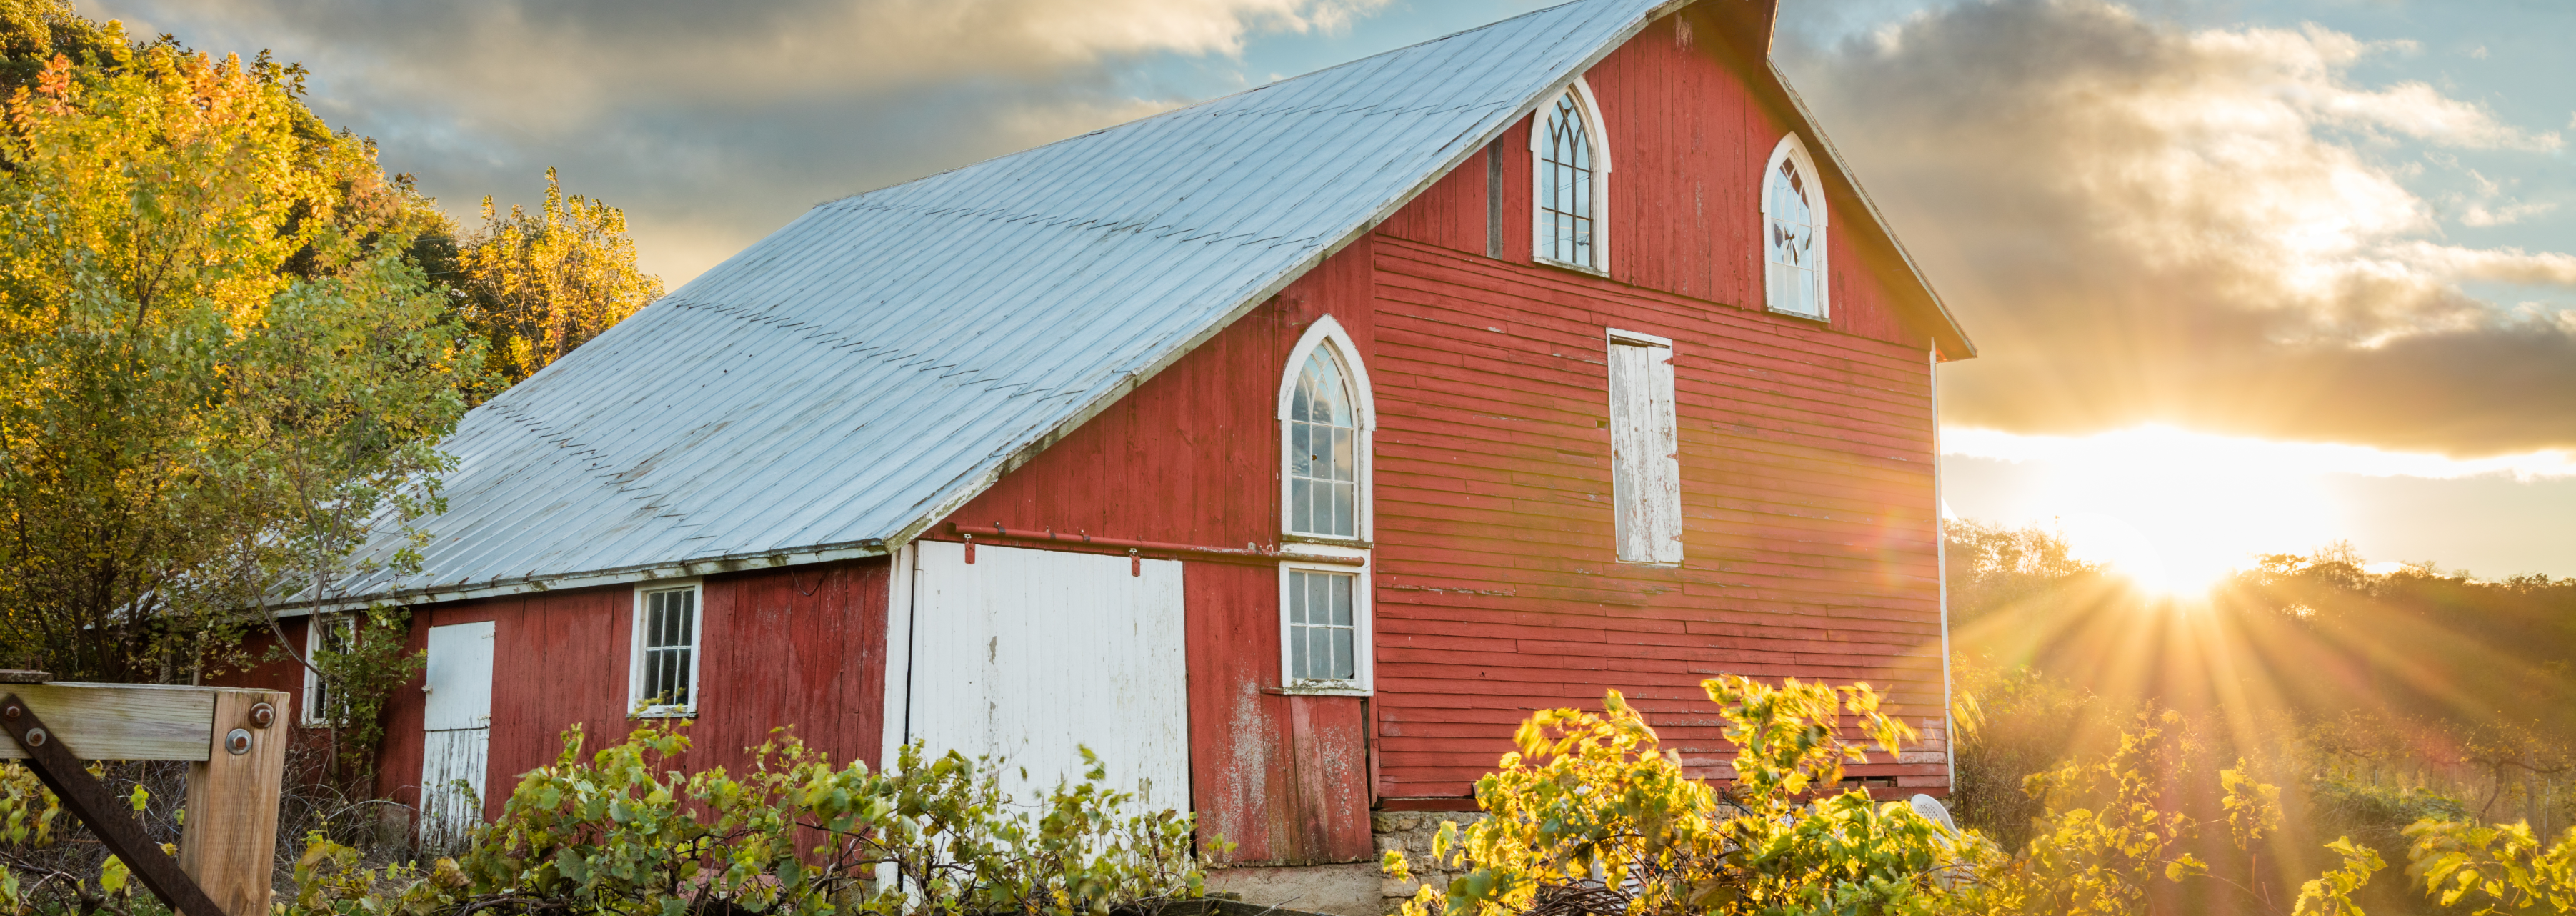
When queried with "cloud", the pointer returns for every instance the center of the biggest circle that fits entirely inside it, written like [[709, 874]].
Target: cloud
[[2475, 210], [2146, 224], [2220, 455], [713, 123]]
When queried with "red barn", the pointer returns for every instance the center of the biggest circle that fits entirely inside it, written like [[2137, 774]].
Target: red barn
[[1286, 449]]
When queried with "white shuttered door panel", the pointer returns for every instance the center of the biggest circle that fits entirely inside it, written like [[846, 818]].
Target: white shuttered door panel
[[1645, 453], [457, 719], [1028, 654]]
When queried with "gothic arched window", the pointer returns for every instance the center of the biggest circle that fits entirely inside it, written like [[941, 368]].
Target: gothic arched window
[[1323, 449], [1793, 233], [1573, 182]]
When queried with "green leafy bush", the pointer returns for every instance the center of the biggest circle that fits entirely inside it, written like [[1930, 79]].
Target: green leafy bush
[[2377, 814], [2107, 839], [624, 832], [2007, 724], [40, 873], [2493, 868], [1590, 816]]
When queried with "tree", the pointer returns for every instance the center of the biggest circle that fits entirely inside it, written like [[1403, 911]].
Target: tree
[[539, 284], [219, 373], [1993, 568], [32, 32]]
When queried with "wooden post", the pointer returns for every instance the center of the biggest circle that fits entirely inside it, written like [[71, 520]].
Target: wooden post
[[235, 744], [229, 844]]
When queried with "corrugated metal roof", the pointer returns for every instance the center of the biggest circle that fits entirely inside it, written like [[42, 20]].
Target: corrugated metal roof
[[849, 379]]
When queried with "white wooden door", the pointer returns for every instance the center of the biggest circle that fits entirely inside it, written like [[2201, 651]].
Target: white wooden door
[[1029, 654], [457, 721]]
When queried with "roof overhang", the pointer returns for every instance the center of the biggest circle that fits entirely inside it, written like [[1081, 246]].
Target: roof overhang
[[535, 584]]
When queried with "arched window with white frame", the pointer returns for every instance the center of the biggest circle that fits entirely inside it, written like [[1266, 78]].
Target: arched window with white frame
[[1793, 233], [1324, 427], [1326, 420], [1571, 161]]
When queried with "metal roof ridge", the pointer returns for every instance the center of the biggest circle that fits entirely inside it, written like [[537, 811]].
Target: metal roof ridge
[[1185, 109]]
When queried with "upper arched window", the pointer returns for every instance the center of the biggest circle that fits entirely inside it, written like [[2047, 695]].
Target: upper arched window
[[1323, 450], [1325, 431], [1573, 168], [1793, 232]]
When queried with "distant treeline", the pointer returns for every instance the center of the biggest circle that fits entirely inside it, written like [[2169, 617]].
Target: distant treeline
[[2374, 700], [2316, 634]]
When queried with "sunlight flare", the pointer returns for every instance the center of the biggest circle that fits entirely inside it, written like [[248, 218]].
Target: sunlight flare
[[2176, 511]]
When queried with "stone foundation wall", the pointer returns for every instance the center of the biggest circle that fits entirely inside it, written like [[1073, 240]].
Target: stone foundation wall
[[1411, 831]]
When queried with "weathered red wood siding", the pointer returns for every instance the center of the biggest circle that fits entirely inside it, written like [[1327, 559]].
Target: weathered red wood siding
[[1192, 457], [255, 668], [1806, 449], [799, 646]]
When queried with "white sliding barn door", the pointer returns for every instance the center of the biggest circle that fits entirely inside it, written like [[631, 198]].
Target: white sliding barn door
[[1027, 654], [457, 720]]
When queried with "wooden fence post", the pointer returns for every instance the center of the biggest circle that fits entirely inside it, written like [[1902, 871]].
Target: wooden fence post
[[229, 844], [235, 744]]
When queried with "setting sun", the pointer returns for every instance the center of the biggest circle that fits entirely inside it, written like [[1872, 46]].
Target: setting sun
[[2176, 511]]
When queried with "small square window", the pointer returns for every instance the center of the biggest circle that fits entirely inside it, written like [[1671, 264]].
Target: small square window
[[665, 677], [1324, 628]]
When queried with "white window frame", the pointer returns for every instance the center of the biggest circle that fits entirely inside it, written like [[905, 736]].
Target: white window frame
[[309, 712], [1665, 552], [1329, 333], [1795, 150], [1363, 634], [1590, 110], [697, 649]]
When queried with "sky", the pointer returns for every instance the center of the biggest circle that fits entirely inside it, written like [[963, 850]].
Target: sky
[[2246, 276]]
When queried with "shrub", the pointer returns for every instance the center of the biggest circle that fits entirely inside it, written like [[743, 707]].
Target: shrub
[[2009, 724], [2493, 868], [624, 832], [51, 864], [2107, 838], [1590, 816], [2377, 814]]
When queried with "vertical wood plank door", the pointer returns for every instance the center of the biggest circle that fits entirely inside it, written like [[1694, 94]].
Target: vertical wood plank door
[[457, 725], [1029, 655]]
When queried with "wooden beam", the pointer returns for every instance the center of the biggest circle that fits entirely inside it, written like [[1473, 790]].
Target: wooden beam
[[230, 841], [101, 811], [124, 721]]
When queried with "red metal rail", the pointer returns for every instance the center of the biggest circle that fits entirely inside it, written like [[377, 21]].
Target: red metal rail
[[1192, 551]]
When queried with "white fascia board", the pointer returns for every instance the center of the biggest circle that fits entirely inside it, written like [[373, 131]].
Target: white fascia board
[[678, 569]]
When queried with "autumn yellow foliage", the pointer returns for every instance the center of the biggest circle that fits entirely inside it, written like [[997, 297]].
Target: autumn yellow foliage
[[218, 370], [539, 284]]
